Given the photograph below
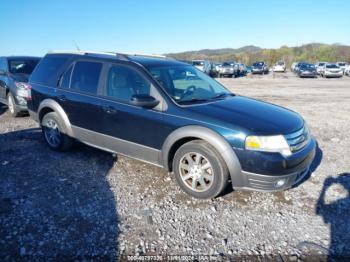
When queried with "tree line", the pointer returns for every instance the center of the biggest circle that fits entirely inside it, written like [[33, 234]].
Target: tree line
[[310, 52]]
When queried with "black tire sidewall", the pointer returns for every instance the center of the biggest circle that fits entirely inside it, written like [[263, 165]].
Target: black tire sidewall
[[219, 168]]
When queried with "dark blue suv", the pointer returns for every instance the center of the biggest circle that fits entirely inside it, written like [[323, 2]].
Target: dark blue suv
[[169, 114]]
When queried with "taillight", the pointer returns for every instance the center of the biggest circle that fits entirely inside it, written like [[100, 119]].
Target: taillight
[[24, 90]]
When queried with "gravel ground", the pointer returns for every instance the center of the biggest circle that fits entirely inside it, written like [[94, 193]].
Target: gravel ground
[[88, 204]]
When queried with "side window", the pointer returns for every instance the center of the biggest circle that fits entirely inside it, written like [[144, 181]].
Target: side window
[[65, 79], [123, 82], [85, 76], [47, 69]]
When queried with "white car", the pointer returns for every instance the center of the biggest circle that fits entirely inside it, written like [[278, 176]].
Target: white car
[[318, 66], [203, 65], [342, 65], [280, 66], [347, 70], [331, 70]]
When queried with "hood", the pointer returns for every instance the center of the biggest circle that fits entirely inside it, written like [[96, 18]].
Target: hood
[[246, 114], [20, 77]]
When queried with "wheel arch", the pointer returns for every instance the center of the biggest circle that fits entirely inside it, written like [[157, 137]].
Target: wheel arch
[[188, 133], [50, 105]]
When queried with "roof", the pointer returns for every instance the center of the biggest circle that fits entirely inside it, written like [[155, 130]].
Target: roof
[[22, 57], [143, 59]]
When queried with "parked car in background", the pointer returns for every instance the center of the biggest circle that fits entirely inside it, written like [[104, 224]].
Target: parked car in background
[[280, 66], [342, 65], [213, 70], [203, 65], [307, 70], [14, 74], [147, 108], [347, 70], [260, 68], [331, 70], [229, 69], [242, 69], [319, 66]]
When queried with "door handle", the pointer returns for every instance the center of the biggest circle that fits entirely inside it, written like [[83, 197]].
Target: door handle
[[110, 110], [62, 98]]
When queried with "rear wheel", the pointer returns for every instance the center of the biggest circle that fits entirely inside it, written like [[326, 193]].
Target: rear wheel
[[54, 134], [13, 108], [199, 170]]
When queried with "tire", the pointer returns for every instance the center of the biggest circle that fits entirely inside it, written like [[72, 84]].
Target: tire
[[53, 133], [13, 108], [208, 183]]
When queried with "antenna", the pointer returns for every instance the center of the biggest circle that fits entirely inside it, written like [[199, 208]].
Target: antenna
[[76, 45]]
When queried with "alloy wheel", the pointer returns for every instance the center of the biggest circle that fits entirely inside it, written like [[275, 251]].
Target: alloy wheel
[[196, 172], [52, 134]]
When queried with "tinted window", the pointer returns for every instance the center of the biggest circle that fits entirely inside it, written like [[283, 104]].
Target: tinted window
[[65, 79], [22, 66], [85, 76], [123, 82], [198, 63], [47, 70]]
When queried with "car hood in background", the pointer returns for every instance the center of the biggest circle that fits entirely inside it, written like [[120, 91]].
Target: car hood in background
[[20, 77], [256, 116]]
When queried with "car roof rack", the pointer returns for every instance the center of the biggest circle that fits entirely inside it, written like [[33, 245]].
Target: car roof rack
[[121, 56]]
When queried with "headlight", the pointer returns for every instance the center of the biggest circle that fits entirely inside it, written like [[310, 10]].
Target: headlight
[[268, 144]]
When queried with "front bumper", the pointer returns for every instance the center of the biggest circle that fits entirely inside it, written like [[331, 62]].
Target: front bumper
[[331, 74], [308, 74], [262, 173]]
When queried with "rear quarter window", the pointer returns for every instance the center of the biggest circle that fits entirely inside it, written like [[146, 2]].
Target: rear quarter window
[[47, 71]]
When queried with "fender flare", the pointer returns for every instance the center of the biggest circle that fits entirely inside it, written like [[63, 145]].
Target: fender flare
[[53, 105], [208, 135]]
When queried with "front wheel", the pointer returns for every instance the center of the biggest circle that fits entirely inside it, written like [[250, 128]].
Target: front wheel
[[54, 134], [199, 170]]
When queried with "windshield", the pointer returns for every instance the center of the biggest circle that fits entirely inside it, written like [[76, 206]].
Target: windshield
[[228, 63], [198, 63], [307, 66], [186, 84], [258, 64], [332, 66], [280, 63], [321, 64], [22, 66]]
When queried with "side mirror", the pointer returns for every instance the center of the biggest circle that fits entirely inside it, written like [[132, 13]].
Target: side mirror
[[144, 100], [3, 73]]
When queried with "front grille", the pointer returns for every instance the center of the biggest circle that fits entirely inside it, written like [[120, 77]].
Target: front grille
[[298, 139]]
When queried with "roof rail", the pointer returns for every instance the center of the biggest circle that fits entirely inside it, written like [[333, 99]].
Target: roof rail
[[122, 56]]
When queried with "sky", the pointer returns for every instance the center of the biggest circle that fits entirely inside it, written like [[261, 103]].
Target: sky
[[34, 27]]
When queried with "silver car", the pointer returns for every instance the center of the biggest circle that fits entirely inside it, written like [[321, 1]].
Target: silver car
[[203, 65], [331, 70], [228, 68]]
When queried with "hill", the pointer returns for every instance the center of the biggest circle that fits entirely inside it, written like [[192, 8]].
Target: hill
[[312, 52]]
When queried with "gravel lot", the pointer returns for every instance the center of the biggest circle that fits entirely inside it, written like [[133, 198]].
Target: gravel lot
[[87, 203]]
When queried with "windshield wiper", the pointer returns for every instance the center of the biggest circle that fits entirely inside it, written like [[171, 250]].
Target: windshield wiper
[[193, 100], [221, 95]]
